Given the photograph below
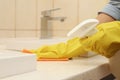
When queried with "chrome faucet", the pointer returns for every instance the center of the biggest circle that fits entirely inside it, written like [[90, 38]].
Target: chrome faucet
[[46, 31]]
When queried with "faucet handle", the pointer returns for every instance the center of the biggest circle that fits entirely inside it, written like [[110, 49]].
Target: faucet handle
[[48, 12], [55, 9]]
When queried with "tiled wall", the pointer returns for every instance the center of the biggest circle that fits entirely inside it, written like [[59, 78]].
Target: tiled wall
[[21, 18]]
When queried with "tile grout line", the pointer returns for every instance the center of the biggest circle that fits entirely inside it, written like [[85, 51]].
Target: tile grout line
[[77, 11], [36, 18], [53, 4], [15, 18]]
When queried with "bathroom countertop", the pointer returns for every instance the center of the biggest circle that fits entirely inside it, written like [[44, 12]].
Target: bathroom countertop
[[92, 68]]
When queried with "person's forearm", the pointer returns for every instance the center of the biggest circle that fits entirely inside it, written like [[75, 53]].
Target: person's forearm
[[110, 12], [102, 17]]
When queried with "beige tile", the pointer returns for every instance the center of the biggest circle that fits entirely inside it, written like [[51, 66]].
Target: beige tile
[[26, 14], [7, 33], [90, 8], [38, 34], [7, 14], [60, 33], [68, 10], [26, 33]]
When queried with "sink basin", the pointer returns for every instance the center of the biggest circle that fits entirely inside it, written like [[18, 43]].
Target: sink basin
[[12, 63]]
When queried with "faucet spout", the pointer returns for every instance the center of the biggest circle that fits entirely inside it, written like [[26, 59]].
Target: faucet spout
[[58, 18], [45, 25]]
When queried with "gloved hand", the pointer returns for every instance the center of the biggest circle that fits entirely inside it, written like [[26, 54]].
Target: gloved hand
[[106, 41], [71, 48]]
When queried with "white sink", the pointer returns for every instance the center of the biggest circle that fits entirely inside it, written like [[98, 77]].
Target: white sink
[[12, 63]]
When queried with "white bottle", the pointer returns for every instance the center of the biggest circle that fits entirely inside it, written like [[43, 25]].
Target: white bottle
[[84, 29]]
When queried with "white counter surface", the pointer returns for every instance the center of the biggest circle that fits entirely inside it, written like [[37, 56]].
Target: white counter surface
[[92, 68]]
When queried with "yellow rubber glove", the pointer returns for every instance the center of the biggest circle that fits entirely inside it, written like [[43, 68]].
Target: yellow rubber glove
[[69, 49], [106, 41]]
